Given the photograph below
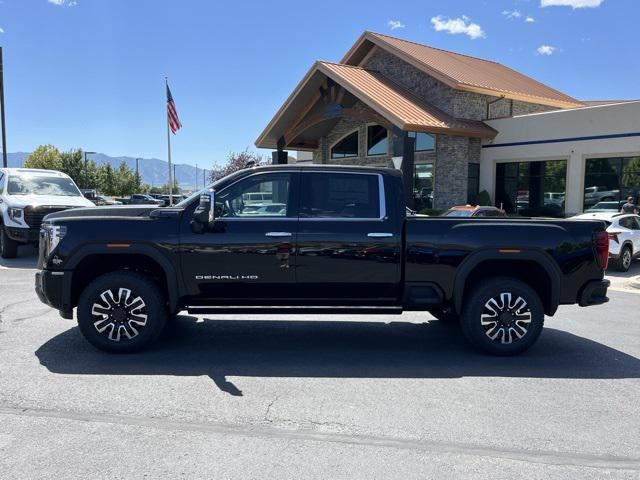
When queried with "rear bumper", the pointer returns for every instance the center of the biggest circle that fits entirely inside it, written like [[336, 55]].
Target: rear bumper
[[594, 293], [54, 289]]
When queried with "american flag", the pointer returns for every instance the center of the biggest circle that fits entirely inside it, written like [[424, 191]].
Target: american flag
[[172, 113]]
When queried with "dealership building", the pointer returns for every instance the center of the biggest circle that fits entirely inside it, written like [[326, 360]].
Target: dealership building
[[457, 125]]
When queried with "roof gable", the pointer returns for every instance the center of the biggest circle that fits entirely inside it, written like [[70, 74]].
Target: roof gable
[[462, 72]]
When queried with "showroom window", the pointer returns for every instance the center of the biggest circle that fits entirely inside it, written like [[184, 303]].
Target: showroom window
[[473, 182], [611, 180], [423, 186], [424, 141], [532, 189], [347, 147], [377, 140]]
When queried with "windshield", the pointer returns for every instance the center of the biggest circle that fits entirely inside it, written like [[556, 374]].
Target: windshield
[[458, 213], [42, 185]]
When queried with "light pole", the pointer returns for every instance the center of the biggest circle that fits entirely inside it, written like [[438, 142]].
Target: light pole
[[138, 171], [4, 132], [196, 183], [86, 172]]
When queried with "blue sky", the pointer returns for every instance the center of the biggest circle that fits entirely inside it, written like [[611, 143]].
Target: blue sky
[[89, 73]]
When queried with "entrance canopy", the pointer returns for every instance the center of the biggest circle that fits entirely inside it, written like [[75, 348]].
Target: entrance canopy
[[330, 91]]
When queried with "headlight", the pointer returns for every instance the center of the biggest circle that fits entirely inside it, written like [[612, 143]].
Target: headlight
[[51, 236], [16, 213]]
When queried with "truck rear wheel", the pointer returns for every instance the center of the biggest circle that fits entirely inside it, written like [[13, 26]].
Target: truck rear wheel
[[121, 312], [8, 246], [503, 316]]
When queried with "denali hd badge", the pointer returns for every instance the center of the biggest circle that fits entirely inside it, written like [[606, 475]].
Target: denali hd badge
[[226, 277]]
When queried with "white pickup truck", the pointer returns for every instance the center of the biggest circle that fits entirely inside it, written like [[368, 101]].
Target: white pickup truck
[[26, 196]]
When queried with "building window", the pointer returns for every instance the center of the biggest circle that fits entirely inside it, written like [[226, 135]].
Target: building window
[[532, 189], [423, 186], [424, 141], [377, 140], [611, 180], [347, 147], [473, 182]]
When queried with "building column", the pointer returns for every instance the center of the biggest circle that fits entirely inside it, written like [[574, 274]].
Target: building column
[[574, 191], [451, 171], [404, 147]]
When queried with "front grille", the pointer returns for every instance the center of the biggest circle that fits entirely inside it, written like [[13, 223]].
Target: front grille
[[33, 215]]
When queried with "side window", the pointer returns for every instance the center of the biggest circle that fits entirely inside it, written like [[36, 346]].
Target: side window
[[265, 195], [1, 183], [635, 224], [627, 223], [340, 195]]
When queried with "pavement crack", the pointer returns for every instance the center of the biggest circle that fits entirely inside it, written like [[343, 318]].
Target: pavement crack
[[268, 410], [304, 435]]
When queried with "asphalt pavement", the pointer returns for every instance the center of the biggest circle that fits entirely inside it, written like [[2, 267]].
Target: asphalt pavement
[[275, 396]]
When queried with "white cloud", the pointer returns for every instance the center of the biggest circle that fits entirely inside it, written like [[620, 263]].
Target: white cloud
[[64, 3], [393, 24], [530, 20], [546, 50], [571, 3], [1, 30], [458, 25], [512, 13]]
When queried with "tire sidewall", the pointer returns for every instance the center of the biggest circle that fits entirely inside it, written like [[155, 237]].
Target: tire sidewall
[[620, 264], [475, 332], [142, 286], [8, 246]]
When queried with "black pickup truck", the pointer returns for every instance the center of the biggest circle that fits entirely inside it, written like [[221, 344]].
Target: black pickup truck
[[313, 239]]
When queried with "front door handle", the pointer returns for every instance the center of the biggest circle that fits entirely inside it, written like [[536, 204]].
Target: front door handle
[[379, 234], [277, 234]]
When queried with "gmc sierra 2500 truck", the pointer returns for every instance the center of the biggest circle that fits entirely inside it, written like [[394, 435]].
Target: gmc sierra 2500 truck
[[338, 239]]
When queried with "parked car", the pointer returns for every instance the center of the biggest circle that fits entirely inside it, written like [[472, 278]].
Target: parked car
[[101, 200], [26, 196], [624, 236], [593, 195], [344, 243], [605, 207], [143, 199], [474, 211]]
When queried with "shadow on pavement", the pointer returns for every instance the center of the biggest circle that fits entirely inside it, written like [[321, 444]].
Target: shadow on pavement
[[333, 349], [27, 258], [632, 272]]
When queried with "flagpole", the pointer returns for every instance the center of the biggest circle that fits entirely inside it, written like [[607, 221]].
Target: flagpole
[[166, 84]]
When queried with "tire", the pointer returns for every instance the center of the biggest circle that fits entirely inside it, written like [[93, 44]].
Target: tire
[[445, 316], [121, 312], [8, 246], [623, 262], [502, 298]]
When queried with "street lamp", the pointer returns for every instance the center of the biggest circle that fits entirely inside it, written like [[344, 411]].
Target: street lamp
[[138, 171], [86, 173]]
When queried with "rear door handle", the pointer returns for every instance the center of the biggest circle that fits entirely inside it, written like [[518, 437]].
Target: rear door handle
[[379, 234], [277, 234]]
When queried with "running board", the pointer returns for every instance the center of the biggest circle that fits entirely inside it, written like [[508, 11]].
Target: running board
[[268, 310]]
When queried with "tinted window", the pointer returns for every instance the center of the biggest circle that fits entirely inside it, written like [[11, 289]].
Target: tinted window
[[339, 195], [1, 182], [238, 200], [347, 147], [628, 222], [473, 182], [377, 140], [424, 141]]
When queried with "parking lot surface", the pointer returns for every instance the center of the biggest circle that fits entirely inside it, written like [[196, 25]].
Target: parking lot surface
[[273, 396]]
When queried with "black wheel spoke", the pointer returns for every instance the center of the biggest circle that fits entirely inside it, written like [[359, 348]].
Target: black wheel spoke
[[506, 318]]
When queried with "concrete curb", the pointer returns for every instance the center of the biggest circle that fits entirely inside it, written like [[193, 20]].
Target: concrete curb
[[635, 282]]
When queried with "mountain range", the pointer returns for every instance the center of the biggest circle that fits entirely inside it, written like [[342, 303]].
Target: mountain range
[[153, 171]]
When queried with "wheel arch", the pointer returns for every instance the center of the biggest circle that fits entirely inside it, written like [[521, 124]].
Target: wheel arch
[[94, 260], [533, 267]]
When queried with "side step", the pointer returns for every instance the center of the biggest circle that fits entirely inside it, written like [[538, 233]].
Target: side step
[[268, 310]]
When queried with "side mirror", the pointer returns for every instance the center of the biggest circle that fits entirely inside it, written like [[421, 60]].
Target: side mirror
[[204, 214]]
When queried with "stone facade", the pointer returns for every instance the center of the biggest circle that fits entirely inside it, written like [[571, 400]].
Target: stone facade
[[453, 153]]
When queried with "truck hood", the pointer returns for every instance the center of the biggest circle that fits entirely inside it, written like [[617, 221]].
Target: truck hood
[[21, 201], [111, 211]]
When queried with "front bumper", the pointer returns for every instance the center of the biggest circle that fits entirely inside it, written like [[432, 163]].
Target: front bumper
[[54, 289], [594, 293], [23, 235]]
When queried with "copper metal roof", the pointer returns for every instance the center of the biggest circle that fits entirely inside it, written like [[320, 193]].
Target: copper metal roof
[[397, 104], [462, 71]]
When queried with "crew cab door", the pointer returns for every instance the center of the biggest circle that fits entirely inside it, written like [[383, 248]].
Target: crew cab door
[[248, 256], [348, 241]]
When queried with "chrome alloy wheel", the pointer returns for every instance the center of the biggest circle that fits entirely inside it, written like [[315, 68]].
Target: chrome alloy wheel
[[504, 319], [119, 316], [626, 258]]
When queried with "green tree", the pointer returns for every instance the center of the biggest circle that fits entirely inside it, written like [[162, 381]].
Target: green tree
[[631, 175], [126, 182], [72, 164], [105, 179], [45, 156]]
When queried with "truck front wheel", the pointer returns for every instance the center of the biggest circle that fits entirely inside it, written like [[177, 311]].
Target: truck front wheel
[[121, 312], [503, 316]]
